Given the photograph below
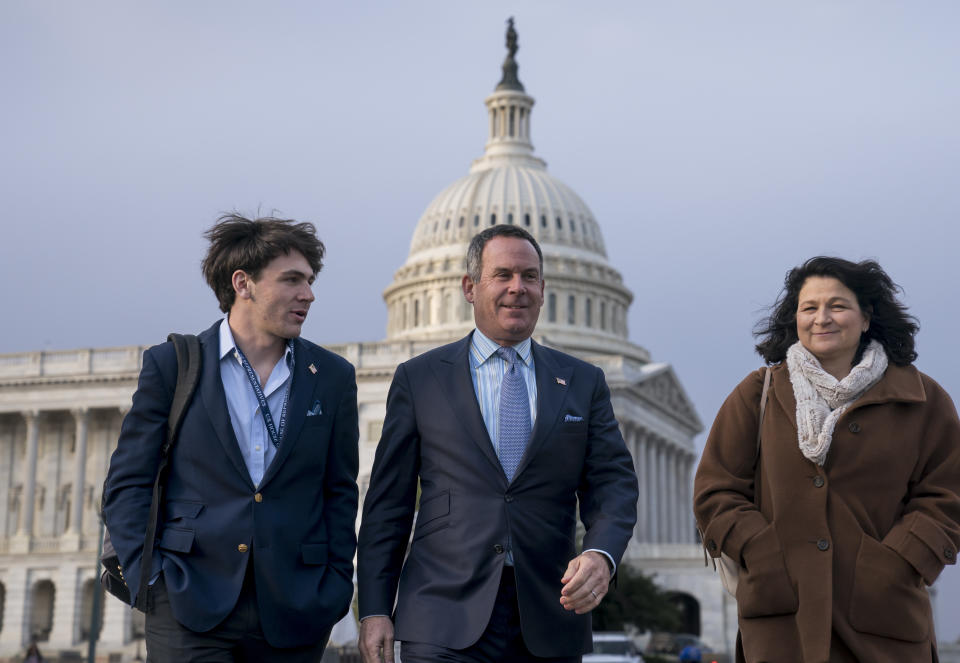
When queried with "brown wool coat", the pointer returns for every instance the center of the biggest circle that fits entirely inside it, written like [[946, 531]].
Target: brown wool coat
[[845, 548]]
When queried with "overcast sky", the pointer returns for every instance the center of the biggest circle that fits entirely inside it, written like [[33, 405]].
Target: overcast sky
[[717, 144]]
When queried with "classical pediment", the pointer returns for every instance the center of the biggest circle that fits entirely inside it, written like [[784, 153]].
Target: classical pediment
[[658, 385]]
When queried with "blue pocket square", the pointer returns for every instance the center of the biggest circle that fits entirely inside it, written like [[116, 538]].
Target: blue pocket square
[[571, 418], [315, 410]]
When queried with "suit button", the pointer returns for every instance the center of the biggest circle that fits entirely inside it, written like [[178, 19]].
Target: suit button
[[712, 545], [818, 481], [508, 498], [242, 547], [258, 497], [498, 549], [948, 553], [854, 427], [823, 545]]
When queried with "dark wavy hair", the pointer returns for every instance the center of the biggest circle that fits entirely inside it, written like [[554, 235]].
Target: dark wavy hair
[[237, 242], [890, 324]]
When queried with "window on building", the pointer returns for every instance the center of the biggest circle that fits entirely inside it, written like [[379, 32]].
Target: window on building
[[510, 218], [543, 220], [571, 310], [603, 315], [476, 219], [551, 307], [41, 613], [493, 219], [526, 220], [559, 224], [589, 312], [416, 312]]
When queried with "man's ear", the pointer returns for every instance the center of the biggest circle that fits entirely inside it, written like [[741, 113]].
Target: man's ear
[[241, 282], [466, 284]]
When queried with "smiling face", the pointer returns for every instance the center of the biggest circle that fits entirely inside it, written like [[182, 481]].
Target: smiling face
[[830, 322], [277, 302], [507, 298]]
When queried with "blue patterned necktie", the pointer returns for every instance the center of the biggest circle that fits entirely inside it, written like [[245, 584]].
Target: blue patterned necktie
[[514, 414]]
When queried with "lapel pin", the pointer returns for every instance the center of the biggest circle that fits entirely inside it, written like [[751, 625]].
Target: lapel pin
[[313, 369], [561, 381]]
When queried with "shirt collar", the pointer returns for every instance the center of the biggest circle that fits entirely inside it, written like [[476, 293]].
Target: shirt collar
[[228, 345], [482, 348]]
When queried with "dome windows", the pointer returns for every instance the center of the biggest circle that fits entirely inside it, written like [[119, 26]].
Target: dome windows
[[559, 224], [526, 220], [493, 218], [543, 220], [476, 219], [510, 218]]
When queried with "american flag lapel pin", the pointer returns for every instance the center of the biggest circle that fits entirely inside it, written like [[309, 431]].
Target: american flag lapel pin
[[313, 369], [561, 381]]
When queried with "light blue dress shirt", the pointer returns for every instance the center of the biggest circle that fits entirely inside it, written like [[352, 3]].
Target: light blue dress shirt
[[255, 445], [487, 369]]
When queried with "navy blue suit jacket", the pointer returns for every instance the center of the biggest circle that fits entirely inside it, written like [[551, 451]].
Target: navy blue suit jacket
[[434, 431], [299, 532]]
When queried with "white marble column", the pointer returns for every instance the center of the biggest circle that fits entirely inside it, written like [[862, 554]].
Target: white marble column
[[662, 496], [21, 541], [81, 417], [13, 636], [688, 477], [670, 475], [7, 454], [642, 531], [651, 490], [683, 501]]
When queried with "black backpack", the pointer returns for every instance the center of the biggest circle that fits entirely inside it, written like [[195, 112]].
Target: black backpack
[[188, 375]]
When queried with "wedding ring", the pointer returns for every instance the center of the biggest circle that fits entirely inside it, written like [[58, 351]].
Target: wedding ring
[[595, 595]]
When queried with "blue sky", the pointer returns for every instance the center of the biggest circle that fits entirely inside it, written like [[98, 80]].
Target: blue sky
[[717, 144]]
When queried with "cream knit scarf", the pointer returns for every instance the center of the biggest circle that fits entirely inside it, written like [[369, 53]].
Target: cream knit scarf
[[822, 399]]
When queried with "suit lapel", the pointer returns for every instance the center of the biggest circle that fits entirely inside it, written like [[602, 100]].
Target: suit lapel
[[215, 400], [302, 389], [551, 394], [453, 372]]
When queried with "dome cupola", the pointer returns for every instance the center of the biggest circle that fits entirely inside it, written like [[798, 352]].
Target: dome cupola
[[585, 307]]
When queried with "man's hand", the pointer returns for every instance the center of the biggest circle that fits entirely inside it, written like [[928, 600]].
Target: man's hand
[[376, 634], [585, 582]]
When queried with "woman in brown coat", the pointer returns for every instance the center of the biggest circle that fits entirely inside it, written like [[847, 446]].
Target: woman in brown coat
[[853, 504]]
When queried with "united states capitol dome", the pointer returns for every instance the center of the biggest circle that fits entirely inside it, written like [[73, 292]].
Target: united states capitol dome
[[585, 307]]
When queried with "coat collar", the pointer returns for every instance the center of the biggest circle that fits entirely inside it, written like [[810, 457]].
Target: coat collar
[[452, 368], [899, 384], [215, 400], [302, 388]]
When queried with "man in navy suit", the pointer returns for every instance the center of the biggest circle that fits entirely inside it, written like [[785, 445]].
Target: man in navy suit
[[256, 532], [506, 439]]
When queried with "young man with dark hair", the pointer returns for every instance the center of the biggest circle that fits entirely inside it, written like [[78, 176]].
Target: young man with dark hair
[[256, 532]]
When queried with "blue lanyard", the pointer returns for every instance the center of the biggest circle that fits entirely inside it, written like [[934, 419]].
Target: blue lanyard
[[275, 435]]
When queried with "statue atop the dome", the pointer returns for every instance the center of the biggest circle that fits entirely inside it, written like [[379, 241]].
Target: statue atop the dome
[[509, 81]]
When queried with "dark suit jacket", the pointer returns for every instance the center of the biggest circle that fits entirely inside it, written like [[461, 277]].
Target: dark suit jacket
[[434, 430], [299, 532]]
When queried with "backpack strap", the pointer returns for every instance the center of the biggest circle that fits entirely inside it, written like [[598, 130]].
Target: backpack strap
[[189, 359], [763, 405]]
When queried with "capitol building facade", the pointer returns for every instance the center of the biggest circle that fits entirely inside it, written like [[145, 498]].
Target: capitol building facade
[[60, 412]]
